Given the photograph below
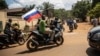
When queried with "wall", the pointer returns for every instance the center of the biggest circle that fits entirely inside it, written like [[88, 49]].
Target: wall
[[19, 20], [3, 17], [22, 22]]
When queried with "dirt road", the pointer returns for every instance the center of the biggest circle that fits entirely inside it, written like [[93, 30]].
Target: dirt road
[[75, 44]]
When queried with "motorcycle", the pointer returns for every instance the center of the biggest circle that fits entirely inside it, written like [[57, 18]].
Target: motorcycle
[[71, 28], [36, 39], [17, 38]]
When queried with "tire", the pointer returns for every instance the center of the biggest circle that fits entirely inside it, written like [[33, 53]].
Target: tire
[[21, 41], [59, 40], [71, 29], [32, 46]]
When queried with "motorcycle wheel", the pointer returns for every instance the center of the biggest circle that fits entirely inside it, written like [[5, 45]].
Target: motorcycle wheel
[[71, 29], [21, 41], [32, 46], [59, 40]]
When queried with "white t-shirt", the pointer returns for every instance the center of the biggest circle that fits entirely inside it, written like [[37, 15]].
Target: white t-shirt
[[74, 21]]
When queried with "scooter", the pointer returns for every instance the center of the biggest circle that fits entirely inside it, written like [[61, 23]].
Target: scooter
[[36, 39], [17, 38], [71, 28]]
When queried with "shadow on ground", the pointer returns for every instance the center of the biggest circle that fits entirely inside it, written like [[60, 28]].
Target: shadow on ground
[[39, 49], [70, 31], [92, 52], [8, 47]]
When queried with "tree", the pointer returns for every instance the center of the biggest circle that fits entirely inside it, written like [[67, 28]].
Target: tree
[[80, 9], [30, 7], [48, 9], [62, 13], [58, 13], [3, 5], [94, 2], [95, 12]]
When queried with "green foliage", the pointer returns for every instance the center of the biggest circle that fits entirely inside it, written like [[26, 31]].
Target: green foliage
[[95, 2], [28, 8], [48, 9], [95, 12], [80, 9], [3, 4], [58, 12], [62, 13]]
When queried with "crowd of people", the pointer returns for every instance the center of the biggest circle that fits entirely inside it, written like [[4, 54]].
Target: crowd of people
[[43, 26], [46, 28], [42, 22], [12, 30]]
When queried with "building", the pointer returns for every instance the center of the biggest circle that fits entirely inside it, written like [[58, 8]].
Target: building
[[15, 15], [3, 18]]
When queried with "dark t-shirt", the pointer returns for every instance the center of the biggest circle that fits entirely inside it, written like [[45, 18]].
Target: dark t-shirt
[[55, 23], [7, 29], [70, 22], [7, 26]]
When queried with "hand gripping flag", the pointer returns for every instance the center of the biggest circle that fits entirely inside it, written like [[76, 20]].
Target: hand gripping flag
[[32, 14]]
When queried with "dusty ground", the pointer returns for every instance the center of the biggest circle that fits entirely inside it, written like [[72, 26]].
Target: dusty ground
[[75, 44]]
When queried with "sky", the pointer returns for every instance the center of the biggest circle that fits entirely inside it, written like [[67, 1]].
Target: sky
[[67, 4]]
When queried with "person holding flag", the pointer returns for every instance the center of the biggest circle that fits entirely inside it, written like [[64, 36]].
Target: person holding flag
[[32, 14], [44, 30], [35, 14]]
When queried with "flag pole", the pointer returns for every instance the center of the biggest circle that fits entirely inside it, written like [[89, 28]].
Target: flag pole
[[32, 25]]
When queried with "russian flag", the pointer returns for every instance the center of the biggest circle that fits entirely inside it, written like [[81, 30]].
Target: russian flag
[[33, 14]]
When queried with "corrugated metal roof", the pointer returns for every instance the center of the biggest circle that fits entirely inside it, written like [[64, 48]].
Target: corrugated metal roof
[[14, 10]]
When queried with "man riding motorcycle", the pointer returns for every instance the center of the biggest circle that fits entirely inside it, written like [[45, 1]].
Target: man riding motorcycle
[[16, 31], [44, 30], [56, 23], [12, 31], [8, 29]]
